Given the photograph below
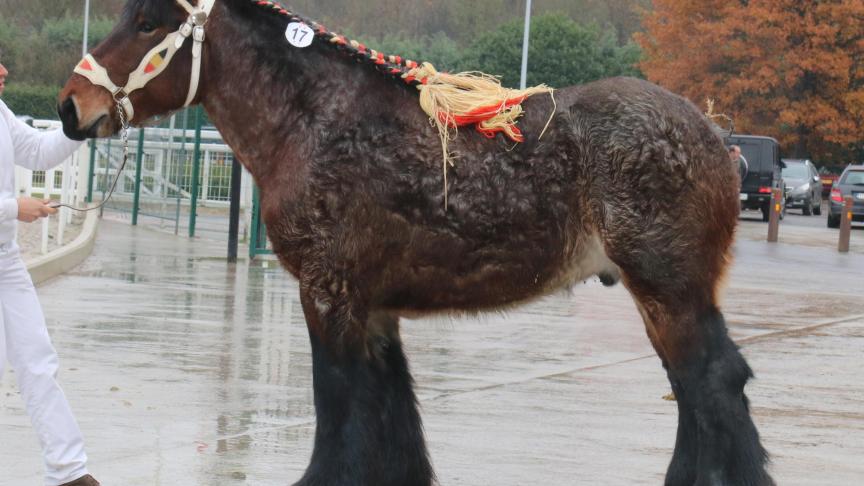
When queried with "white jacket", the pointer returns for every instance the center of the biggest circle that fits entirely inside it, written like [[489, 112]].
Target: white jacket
[[23, 145]]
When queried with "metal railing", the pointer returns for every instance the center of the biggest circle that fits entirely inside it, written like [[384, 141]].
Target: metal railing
[[183, 170], [167, 166], [165, 187], [60, 183]]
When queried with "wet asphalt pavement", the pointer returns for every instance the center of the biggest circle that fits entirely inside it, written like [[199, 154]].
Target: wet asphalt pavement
[[184, 370]]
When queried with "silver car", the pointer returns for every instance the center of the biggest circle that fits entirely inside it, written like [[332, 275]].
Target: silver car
[[851, 183], [803, 186]]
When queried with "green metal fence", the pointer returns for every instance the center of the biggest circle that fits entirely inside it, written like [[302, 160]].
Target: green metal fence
[[183, 165], [258, 244]]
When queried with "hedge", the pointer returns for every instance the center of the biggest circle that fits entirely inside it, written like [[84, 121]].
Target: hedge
[[37, 101]]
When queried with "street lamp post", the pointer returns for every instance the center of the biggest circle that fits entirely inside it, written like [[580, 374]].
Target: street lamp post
[[525, 38], [86, 27]]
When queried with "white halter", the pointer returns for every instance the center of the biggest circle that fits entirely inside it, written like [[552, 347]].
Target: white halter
[[156, 60]]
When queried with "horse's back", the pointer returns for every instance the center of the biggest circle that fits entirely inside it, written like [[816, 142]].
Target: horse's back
[[624, 113]]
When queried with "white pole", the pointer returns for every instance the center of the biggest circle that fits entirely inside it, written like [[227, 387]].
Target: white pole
[[525, 37], [64, 198], [44, 247], [86, 27]]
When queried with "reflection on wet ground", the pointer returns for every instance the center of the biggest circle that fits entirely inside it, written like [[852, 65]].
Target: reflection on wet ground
[[184, 370]]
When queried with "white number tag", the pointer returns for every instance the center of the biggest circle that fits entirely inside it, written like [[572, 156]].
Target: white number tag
[[299, 34]]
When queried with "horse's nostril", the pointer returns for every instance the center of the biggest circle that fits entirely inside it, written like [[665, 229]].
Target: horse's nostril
[[66, 109], [69, 117]]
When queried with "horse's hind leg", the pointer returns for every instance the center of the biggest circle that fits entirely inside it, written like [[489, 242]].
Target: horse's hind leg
[[368, 430], [717, 443]]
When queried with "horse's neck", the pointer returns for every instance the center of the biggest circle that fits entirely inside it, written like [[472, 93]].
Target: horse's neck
[[274, 107]]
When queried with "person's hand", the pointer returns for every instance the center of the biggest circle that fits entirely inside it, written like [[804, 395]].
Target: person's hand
[[30, 209]]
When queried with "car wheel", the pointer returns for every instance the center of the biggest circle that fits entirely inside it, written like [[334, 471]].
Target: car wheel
[[817, 209], [766, 212], [808, 208], [833, 221]]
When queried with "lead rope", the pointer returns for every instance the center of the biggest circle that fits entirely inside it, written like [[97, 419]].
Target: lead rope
[[125, 137]]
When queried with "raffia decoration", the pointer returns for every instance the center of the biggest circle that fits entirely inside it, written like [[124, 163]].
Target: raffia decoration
[[709, 113], [454, 100]]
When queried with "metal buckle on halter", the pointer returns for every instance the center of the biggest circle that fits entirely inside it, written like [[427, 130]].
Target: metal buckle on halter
[[186, 28], [119, 95], [198, 33], [122, 99], [199, 17]]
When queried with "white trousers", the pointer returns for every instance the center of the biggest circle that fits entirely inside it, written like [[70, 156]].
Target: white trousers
[[24, 341]]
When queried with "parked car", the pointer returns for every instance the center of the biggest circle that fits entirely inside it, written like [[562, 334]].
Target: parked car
[[763, 173], [828, 180], [804, 186], [851, 183]]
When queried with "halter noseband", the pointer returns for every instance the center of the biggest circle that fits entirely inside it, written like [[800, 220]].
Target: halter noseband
[[156, 60]]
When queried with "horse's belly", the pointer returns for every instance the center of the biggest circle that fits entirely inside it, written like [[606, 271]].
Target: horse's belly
[[498, 283]]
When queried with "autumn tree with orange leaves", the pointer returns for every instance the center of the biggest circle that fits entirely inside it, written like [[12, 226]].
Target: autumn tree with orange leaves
[[791, 69]]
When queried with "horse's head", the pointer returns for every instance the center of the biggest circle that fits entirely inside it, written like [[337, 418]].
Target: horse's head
[[149, 65]]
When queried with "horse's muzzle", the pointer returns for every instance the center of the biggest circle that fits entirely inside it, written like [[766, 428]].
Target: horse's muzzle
[[69, 116]]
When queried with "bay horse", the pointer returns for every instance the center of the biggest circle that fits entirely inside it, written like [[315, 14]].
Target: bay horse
[[629, 183]]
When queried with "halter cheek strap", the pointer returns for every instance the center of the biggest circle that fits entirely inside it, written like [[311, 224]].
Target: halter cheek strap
[[156, 60]]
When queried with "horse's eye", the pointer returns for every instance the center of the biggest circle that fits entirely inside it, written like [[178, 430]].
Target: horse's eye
[[146, 27]]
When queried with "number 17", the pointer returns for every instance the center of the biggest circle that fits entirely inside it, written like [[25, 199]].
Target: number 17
[[302, 33]]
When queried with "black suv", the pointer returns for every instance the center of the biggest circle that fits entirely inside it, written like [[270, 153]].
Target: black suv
[[851, 183], [763, 172]]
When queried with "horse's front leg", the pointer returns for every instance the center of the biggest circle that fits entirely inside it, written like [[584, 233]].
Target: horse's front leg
[[368, 431]]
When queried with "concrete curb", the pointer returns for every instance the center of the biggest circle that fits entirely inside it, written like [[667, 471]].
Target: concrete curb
[[63, 259]]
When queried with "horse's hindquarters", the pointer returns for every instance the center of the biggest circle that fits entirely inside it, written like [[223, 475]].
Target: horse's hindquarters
[[664, 194]]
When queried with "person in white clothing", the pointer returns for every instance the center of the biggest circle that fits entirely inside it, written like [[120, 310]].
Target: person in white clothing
[[24, 339]]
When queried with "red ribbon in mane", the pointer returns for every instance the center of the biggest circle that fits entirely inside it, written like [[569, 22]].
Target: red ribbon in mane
[[484, 113]]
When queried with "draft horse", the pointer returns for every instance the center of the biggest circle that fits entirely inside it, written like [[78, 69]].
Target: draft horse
[[628, 182]]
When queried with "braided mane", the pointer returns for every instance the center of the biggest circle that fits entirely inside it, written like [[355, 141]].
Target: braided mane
[[405, 70], [450, 100]]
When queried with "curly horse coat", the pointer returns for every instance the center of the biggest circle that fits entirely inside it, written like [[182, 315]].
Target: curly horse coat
[[628, 182]]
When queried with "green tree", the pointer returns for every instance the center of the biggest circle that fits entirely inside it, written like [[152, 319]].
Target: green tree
[[46, 56], [561, 53], [33, 100], [62, 37], [463, 20], [10, 43], [469, 19], [439, 49], [621, 16], [31, 14]]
